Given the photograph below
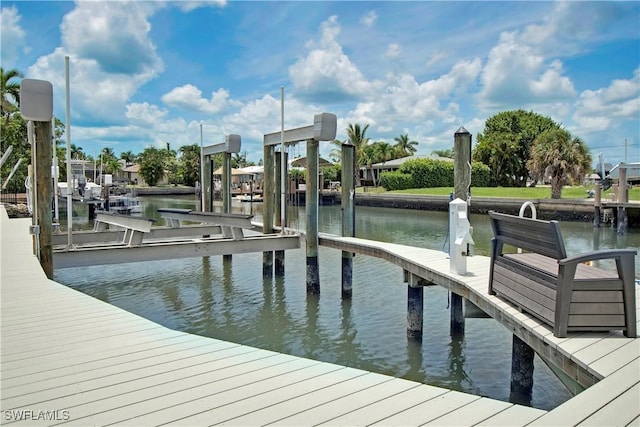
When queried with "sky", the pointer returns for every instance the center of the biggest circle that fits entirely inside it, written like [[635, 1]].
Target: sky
[[148, 73]]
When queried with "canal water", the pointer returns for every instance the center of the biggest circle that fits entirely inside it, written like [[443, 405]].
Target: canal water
[[232, 301]]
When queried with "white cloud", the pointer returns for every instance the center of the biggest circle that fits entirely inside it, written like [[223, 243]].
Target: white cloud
[[113, 34], [103, 75], [393, 50], [369, 19], [188, 6], [596, 110], [96, 96], [190, 98], [326, 73], [515, 75], [12, 36], [145, 114]]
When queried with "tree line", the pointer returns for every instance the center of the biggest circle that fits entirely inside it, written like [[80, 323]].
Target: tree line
[[518, 148]]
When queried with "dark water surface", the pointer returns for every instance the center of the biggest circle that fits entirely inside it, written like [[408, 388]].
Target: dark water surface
[[232, 302]]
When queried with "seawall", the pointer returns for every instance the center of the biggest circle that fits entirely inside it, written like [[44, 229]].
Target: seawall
[[562, 209]]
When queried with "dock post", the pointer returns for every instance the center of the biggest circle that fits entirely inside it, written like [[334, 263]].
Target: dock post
[[44, 195], [623, 199], [267, 206], [521, 372], [415, 311], [457, 314], [348, 215], [462, 190], [313, 273], [597, 203], [226, 191], [280, 156]]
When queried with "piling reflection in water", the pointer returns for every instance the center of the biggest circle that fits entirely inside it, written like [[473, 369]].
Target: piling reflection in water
[[232, 301]]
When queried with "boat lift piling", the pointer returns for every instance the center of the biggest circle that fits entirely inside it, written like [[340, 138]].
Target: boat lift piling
[[348, 214], [281, 188], [323, 129], [36, 105], [268, 197], [230, 145]]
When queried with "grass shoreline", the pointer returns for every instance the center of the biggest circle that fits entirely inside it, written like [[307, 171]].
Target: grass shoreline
[[542, 192]]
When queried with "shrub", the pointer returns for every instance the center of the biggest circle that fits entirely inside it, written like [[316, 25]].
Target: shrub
[[480, 175], [396, 181], [429, 173]]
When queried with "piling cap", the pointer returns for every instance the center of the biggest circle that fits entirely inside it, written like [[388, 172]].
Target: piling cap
[[462, 130]]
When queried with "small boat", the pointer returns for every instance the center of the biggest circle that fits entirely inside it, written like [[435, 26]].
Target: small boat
[[248, 198], [124, 205]]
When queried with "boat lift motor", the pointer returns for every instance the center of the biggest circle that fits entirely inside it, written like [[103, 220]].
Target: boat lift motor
[[459, 236]]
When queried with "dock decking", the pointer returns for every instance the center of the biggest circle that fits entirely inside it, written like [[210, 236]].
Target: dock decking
[[70, 359]]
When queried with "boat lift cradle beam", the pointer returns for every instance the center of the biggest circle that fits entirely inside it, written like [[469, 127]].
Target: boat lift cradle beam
[[154, 251], [156, 233]]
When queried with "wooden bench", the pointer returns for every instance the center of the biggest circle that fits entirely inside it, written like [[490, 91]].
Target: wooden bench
[[134, 227], [231, 224], [564, 292]]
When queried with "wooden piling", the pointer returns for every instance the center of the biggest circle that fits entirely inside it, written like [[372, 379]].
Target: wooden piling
[[521, 372], [462, 190], [207, 185], [267, 206], [597, 204], [348, 215], [623, 199], [457, 315], [415, 310], [279, 255], [44, 195], [226, 192], [313, 273]]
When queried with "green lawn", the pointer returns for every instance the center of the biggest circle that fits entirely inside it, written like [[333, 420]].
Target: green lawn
[[520, 192]]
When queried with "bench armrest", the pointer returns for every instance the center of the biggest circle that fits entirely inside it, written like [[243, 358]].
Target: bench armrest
[[596, 255]]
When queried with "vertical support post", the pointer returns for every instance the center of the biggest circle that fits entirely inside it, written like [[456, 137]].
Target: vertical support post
[[462, 190], [207, 184], [67, 131], [202, 184], [267, 207], [43, 194], [280, 215], [226, 183], [348, 215], [313, 273], [623, 199], [415, 311], [521, 372], [226, 191], [597, 203]]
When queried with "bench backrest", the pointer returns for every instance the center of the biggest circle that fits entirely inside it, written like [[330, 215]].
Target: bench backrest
[[533, 235]]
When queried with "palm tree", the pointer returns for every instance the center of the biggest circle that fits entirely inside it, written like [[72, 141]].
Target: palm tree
[[447, 152], [128, 157], [560, 158], [109, 162], [10, 96], [355, 135], [404, 146], [77, 153]]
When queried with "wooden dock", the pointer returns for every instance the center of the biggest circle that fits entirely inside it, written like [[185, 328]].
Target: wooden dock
[[70, 359]]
